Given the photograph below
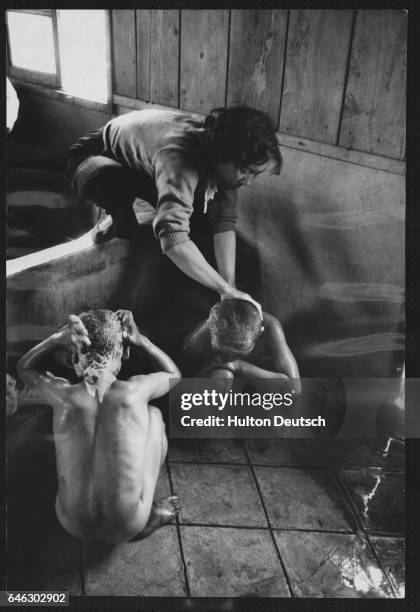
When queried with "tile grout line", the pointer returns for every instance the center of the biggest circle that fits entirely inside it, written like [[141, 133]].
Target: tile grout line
[[379, 562], [290, 466], [270, 529], [178, 530], [260, 528], [337, 480], [360, 526], [197, 462]]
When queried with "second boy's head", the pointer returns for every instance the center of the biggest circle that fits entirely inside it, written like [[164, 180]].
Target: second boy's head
[[234, 327]]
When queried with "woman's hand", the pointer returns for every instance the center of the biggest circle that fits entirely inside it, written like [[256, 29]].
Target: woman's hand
[[234, 293]]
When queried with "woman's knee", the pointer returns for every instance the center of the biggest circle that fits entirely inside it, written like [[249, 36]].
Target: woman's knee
[[103, 181]]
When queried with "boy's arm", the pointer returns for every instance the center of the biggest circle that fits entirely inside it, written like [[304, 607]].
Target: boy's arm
[[168, 375], [281, 355], [31, 367], [284, 365]]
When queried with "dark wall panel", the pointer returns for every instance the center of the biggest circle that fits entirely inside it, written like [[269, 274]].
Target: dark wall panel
[[204, 41], [257, 42], [374, 112], [143, 19], [316, 59], [124, 52], [164, 39]]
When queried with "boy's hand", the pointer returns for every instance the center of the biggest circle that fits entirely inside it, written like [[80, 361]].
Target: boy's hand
[[130, 330], [74, 335]]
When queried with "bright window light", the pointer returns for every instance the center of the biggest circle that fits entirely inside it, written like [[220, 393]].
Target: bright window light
[[31, 42], [83, 53]]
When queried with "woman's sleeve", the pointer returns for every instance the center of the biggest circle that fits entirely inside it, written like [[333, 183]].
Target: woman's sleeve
[[223, 211], [176, 179]]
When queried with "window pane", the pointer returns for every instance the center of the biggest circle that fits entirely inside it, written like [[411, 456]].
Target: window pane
[[83, 54], [31, 42]]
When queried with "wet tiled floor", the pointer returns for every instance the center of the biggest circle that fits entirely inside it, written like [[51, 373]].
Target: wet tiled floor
[[282, 518]]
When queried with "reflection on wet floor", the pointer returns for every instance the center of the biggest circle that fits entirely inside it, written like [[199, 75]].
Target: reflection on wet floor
[[331, 565], [378, 497], [265, 518]]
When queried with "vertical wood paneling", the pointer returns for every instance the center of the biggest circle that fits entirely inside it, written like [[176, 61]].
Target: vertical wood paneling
[[143, 25], [316, 59], [124, 52], [257, 42], [374, 110], [204, 41], [164, 77], [146, 62]]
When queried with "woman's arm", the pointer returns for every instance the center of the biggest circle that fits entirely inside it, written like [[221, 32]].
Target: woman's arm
[[225, 253], [187, 257], [223, 215]]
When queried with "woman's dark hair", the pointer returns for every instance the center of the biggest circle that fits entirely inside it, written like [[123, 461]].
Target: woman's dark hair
[[244, 136]]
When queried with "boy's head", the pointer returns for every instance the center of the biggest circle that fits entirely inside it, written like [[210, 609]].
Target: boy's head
[[234, 327], [107, 347], [244, 143]]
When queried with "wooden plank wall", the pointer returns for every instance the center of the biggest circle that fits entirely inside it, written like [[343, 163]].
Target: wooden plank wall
[[374, 110], [204, 47], [124, 52], [316, 60], [331, 76], [256, 58]]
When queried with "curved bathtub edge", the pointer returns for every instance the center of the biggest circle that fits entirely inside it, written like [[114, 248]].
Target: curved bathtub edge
[[13, 266]]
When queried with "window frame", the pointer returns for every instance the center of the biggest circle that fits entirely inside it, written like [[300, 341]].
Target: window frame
[[51, 82], [35, 76]]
